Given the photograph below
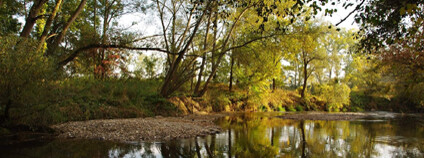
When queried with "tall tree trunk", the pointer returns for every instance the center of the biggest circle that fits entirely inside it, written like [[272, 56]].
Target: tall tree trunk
[[295, 74], [48, 25], [202, 66], [231, 72], [222, 53], [33, 16], [104, 39], [168, 88], [305, 79], [199, 77], [94, 17], [68, 24], [192, 78], [273, 85]]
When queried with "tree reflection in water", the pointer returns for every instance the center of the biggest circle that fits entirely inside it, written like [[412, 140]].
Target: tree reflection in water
[[258, 135]]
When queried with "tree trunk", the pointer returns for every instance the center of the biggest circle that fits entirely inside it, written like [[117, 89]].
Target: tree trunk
[[192, 78], [199, 78], [273, 85], [295, 74], [231, 73], [305, 78], [104, 39], [68, 24], [168, 88], [202, 66], [33, 16], [48, 25]]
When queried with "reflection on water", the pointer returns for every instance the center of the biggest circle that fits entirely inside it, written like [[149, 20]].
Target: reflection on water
[[259, 135]]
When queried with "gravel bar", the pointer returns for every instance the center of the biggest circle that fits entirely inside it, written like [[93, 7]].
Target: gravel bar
[[140, 129]]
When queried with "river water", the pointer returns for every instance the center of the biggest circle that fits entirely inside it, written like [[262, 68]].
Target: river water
[[259, 135]]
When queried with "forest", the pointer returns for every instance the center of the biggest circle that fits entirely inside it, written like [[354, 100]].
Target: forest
[[74, 60]]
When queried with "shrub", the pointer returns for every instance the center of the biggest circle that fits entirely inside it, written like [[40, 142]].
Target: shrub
[[281, 109], [25, 80], [337, 95], [299, 108], [290, 108]]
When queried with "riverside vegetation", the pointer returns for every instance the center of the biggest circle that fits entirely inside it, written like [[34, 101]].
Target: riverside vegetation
[[72, 61]]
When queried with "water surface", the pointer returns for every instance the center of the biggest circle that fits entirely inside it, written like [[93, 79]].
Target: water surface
[[259, 135]]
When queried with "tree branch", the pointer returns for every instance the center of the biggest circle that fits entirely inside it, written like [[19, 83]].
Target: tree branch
[[97, 46], [356, 8], [251, 41]]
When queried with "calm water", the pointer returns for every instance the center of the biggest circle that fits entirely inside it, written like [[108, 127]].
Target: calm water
[[259, 135]]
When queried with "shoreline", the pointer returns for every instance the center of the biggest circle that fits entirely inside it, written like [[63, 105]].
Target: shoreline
[[344, 116], [140, 129]]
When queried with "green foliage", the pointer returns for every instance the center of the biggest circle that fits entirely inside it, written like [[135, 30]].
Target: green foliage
[[337, 95], [382, 22], [299, 108], [220, 99], [9, 23], [291, 108], [359, 100], [148, 66], [281, 109], [25, 78]]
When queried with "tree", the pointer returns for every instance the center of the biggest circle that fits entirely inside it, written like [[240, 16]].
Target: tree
[[308, 38], [9, 24], [384, 21], [148, 66]]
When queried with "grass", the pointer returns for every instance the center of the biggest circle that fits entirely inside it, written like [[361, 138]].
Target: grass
[[79, 99]]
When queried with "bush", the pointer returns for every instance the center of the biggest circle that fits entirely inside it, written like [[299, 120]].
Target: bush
[[290, 108], [281, 109], [25, 81], [337, 95], [299, 108], [412, 98]]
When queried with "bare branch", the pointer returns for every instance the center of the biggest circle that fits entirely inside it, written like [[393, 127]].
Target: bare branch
[[356, 8], [97, 46], [251, 41]]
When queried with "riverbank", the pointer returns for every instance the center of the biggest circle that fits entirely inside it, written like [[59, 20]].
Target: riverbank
[[346, 116], [140, 129]]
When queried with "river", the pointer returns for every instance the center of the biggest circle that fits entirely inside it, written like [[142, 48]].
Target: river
[[258, 135]]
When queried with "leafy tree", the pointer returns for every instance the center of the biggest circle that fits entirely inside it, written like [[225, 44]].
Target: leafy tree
[[308, 38], [404, 62], [384, 21], [9, 24], [148, 66]]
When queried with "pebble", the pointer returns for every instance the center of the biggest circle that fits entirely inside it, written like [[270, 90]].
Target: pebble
[[136, 129]]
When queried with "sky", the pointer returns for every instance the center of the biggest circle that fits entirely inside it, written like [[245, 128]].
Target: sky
[[341, 13]]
